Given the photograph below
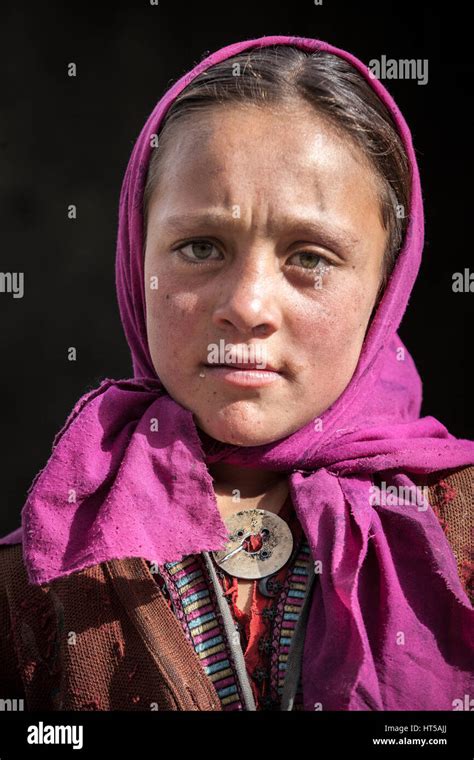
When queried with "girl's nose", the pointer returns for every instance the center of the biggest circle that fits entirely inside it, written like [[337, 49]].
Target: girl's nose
[[249, 299]]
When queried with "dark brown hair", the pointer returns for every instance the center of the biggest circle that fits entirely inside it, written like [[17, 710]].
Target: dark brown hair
[[281, 74]]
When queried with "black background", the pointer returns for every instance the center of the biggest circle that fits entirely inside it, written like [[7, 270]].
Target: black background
[[67, 140]]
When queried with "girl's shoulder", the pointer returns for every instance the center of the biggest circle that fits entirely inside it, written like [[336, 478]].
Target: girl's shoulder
[[450, 494]]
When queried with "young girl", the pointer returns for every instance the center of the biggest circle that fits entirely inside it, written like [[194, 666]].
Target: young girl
[[259, 519]]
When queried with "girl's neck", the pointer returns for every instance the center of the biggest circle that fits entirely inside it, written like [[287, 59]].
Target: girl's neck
[[239, 488]]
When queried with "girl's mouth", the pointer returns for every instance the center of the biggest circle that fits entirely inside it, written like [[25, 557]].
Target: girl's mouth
[[243, 375]]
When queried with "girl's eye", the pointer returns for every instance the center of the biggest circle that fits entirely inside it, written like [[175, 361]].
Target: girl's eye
[[309, 260], [199, 251]]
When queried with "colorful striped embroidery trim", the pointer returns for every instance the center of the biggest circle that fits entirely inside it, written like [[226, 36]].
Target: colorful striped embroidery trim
[[195, 605]]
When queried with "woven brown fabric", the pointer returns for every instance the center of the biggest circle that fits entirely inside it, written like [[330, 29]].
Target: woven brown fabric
[[452, 497], [105, 638], [100, 639]]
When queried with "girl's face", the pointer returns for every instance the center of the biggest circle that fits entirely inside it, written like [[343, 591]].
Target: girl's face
[[264, 247]]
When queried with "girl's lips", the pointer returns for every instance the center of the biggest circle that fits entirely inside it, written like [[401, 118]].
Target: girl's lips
[[246, 366], [244, 375]]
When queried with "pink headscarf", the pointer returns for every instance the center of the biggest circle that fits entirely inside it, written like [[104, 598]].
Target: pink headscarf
[[390, 625]]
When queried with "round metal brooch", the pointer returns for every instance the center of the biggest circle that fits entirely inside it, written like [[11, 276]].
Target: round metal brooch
[[260, 543]]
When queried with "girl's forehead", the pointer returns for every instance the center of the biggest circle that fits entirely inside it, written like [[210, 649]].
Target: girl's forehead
[[261, 159]]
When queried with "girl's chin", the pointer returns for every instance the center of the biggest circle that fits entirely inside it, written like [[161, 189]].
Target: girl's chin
[[241, 436], [245, 423]]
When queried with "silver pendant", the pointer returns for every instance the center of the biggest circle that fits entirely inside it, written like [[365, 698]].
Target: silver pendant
[[260, 543]]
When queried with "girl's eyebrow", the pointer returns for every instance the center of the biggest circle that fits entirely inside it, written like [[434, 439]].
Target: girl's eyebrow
[[329, 234]]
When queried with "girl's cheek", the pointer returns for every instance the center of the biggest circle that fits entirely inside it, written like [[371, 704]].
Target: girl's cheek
[[335, 322], [185, 304], [166, 305]]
